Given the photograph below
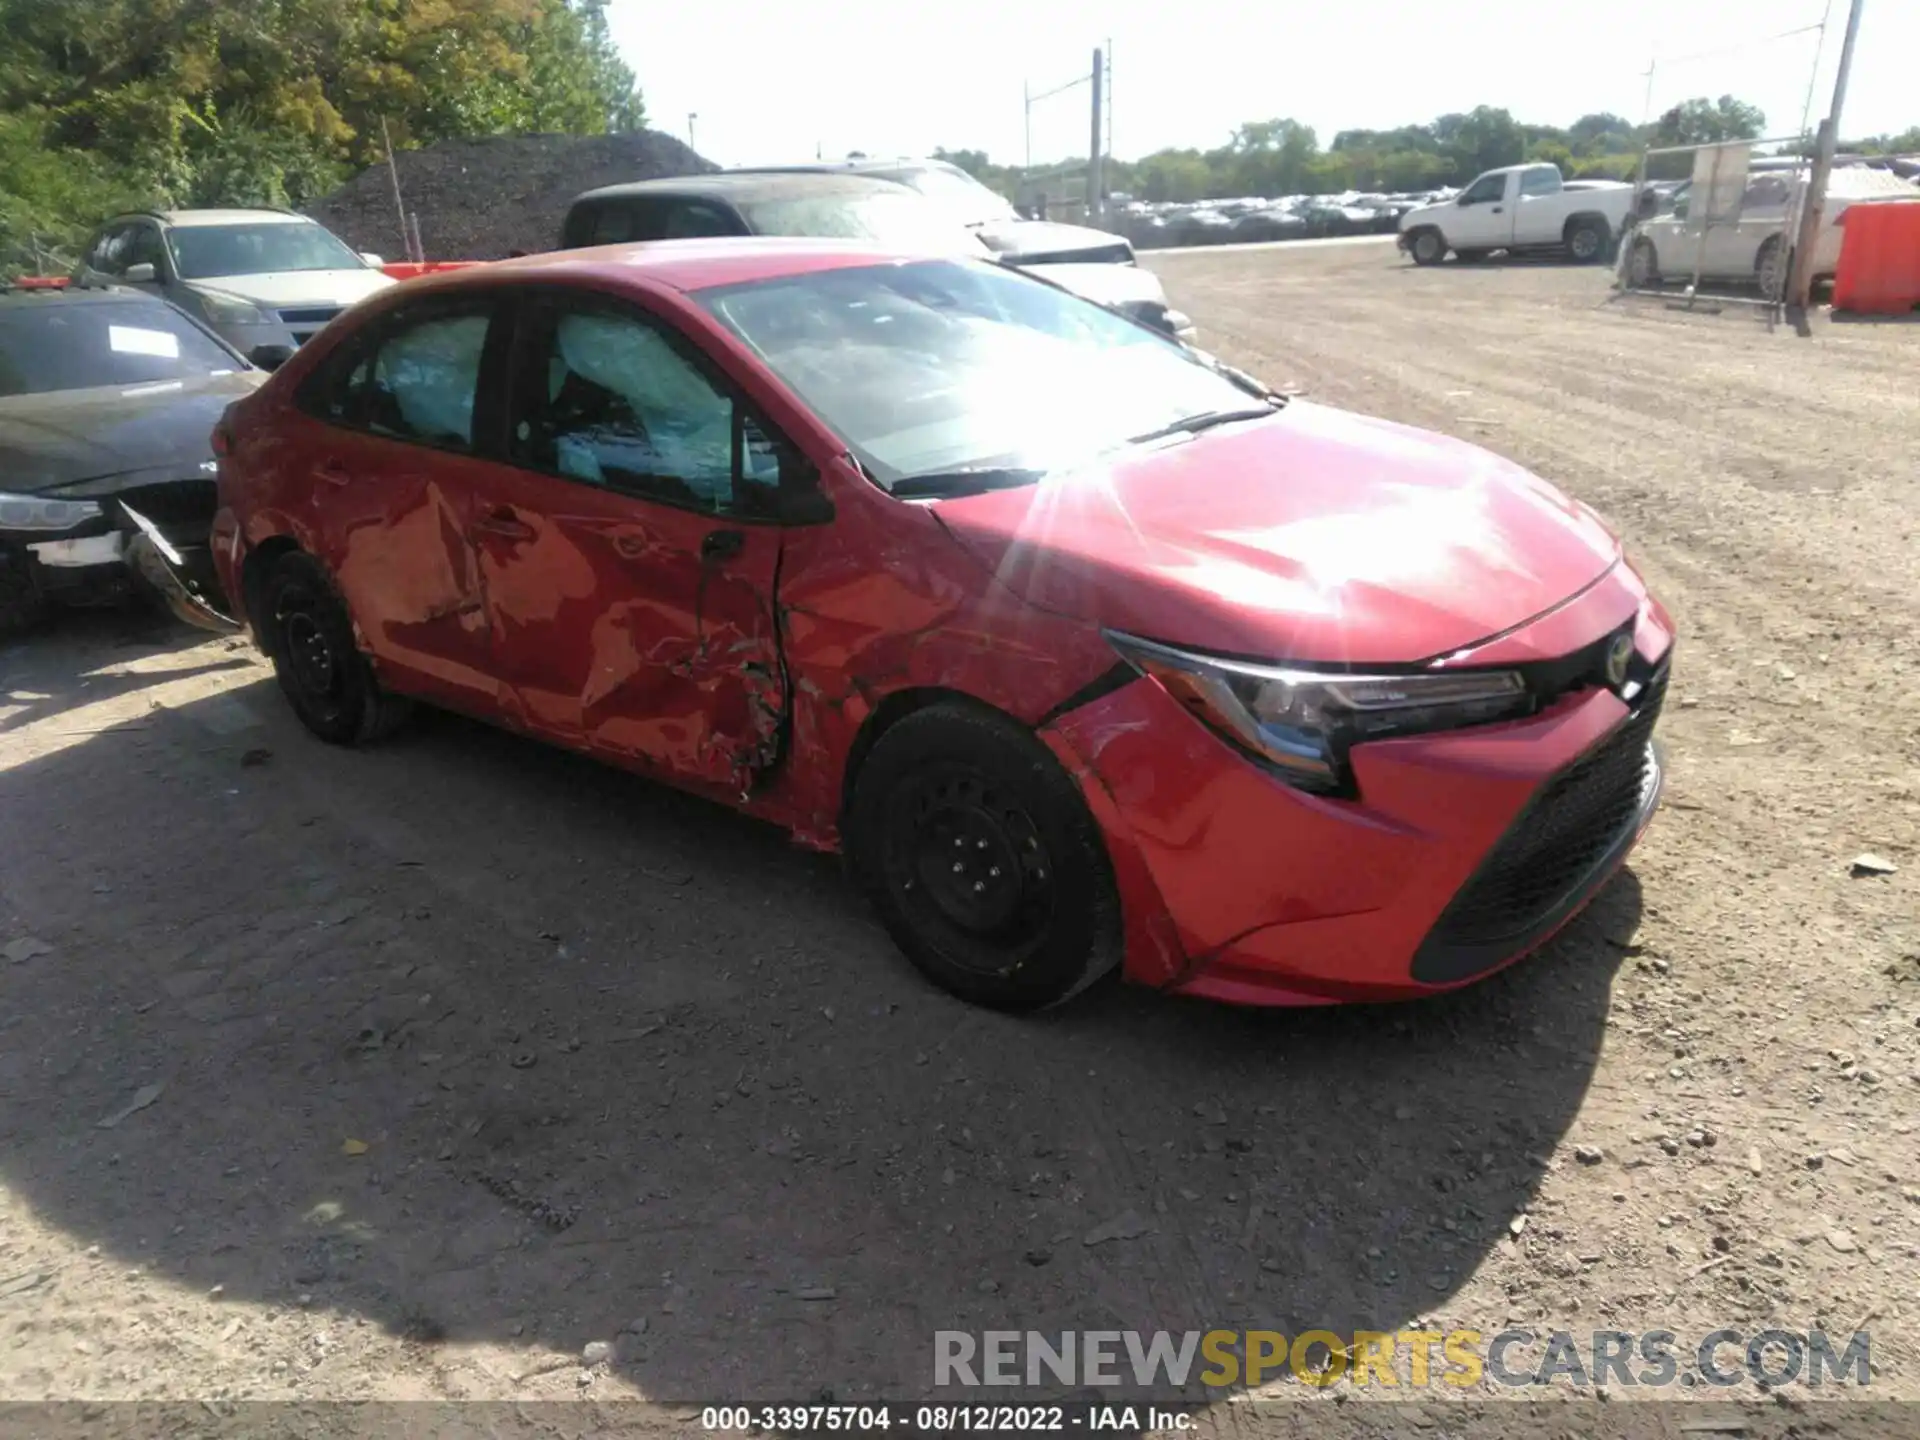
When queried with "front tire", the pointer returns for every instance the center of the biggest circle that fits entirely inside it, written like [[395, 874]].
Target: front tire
[[1643, 265], [309, 634], [1428, 247], [982, 860], [22, 606], [1770, 268]]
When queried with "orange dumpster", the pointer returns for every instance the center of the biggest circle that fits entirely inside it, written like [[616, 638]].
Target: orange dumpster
[[409, 270], [1879, 269]]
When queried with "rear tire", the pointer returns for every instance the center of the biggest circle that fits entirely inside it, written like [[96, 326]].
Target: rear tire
[[22, 606], [1587, 241], [1428, 247], [307, 631], [982, 860]]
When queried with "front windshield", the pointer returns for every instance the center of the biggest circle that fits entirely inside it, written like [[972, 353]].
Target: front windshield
[[961, 196], [930, 367], [889, 216], [203, 252], [53, 344]]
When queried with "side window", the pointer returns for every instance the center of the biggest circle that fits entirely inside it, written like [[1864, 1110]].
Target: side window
[[143, 248], [424, 378], [339, 390], [615, 221], [608, 399], [109, 255], [1540, 182], [1484, 190], [696, 219]]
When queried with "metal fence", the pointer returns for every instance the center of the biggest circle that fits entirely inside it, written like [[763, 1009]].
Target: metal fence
[[1723, 231]]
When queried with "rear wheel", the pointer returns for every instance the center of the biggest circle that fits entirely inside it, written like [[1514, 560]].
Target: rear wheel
[[1428, 248], [980, 856], [321, 671], [1587, 241]]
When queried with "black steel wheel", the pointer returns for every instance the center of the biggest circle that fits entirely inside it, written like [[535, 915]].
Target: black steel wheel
[[321, 671], [978, 852]]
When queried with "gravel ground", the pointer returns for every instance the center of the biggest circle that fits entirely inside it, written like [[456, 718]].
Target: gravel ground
[[458, 1056]]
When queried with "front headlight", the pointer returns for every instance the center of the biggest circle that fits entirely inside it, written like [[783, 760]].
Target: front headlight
[[32, 512], [1300, 724], [231, 310]]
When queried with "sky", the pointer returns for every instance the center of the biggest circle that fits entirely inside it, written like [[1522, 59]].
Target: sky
[[772, 83]]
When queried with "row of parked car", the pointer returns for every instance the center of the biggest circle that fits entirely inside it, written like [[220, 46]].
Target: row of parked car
[[111, 379], [1255, 219]]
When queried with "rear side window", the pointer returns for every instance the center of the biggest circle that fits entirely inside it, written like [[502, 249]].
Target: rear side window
[[425, 378], [1540, 182], [415, 377]]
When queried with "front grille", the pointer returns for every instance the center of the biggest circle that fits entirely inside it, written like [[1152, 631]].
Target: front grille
[[309, 316], [1550, 853]]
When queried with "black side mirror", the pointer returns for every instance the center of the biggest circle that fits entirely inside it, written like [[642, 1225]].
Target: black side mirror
[[270, 357]]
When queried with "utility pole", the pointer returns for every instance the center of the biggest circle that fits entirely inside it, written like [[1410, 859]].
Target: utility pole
[[1109, 98], [1814, 200], [1094, 197], [691, 117], [393, 173], [1026, 97]]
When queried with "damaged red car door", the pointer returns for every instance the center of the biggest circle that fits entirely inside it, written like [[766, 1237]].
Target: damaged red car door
[[628, 551], [393, 466]]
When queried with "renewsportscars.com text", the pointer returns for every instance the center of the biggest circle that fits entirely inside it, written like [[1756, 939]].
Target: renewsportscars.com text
[[1462, 1359]]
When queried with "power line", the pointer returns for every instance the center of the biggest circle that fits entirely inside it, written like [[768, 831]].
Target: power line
[[1738, 49]]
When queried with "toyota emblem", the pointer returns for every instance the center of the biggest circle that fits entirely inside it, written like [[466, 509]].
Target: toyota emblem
[[1619, 657]]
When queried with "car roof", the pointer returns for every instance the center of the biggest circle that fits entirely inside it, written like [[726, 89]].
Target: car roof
[[737, 185], [684, 265], [187, 219], [15, 297]]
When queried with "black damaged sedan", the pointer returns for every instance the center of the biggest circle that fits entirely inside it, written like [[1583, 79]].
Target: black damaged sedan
[[108, 399]]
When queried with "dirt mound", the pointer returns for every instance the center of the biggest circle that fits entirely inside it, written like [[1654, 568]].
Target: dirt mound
[[480, 199]]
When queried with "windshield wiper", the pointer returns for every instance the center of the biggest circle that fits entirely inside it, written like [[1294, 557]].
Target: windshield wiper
[[1205, 420], [936, 484]]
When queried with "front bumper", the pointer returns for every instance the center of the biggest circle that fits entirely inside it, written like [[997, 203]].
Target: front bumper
[[1466, 850], [154, 535]]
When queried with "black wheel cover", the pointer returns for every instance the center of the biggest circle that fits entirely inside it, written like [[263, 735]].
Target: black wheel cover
[[968, 866], [313, 672]]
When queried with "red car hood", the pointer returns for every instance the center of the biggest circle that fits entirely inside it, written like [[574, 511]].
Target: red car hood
[[1316, 535]]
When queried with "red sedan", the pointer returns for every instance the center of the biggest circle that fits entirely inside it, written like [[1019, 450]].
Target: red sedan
[[1090, 651]]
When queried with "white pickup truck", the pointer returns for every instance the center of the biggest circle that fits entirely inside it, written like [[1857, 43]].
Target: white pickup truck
[[1520, 209]]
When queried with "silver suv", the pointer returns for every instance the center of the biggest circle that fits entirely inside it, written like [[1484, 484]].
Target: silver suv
[[265, 280]]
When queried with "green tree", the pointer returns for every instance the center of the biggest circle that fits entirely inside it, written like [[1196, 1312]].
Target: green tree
[[1703, 122], [1482, 139], [1172, 175], [197, 102]]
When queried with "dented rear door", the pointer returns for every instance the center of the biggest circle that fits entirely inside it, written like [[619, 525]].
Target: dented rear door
[[629, 586], [404, 437]]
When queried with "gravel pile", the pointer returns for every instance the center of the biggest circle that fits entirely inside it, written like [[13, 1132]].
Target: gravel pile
[[480, 199]]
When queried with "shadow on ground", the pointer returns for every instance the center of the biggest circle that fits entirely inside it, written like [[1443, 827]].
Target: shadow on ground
[[616, 1056]]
